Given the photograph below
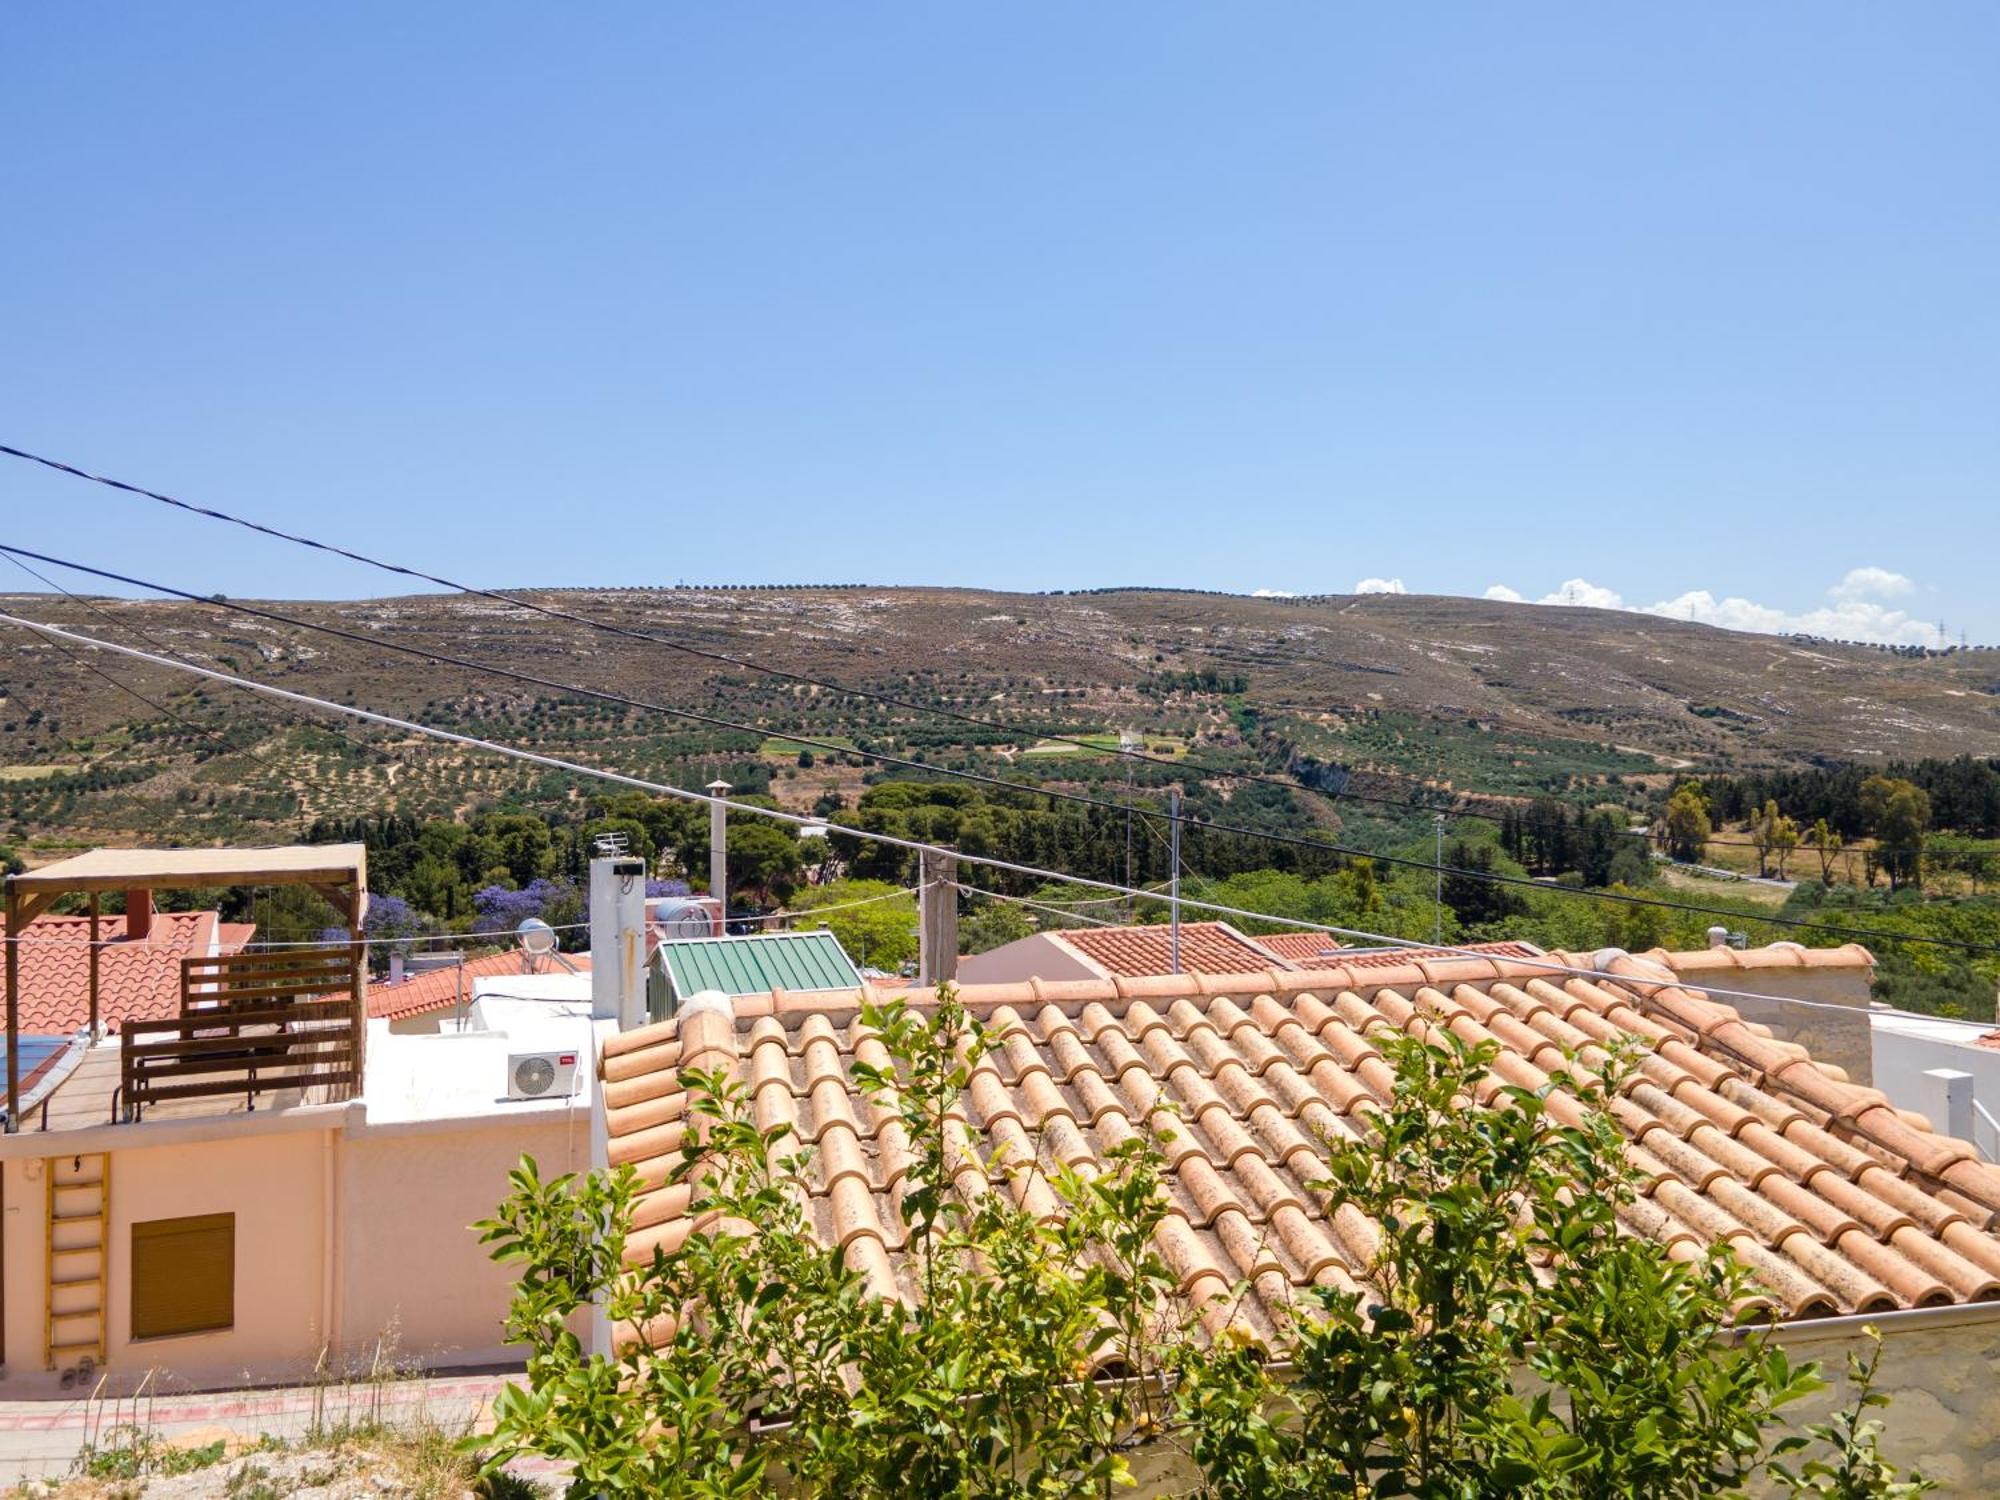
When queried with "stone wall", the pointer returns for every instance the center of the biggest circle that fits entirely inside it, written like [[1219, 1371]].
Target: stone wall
[[1941, 1367]]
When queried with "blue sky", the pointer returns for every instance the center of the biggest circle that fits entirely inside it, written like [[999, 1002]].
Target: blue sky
[[1689, 306]]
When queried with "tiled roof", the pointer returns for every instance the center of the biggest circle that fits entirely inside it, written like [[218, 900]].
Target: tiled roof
[[441, 989], [234, 937], [1298, 946], [135, 980], [1206, 948], [757, 965], [1835, 1201], [1316, 949], [1708, 961]]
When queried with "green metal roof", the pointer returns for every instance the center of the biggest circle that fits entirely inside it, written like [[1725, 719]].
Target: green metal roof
[[758, 965]]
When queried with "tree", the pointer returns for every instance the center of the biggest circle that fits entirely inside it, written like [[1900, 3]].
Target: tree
[[523, 846], [1824, 842], [1477, 901], [763, 857], [972, 1392], [874, 921], [1513, 1342], [992, 925], [1686, 823], [1774, 834], [1898, 812]]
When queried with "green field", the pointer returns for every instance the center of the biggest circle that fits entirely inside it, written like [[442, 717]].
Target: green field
[[778, 745]]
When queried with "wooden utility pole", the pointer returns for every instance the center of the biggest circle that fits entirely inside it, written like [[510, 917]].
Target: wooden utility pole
[[1174, 876], [937, 925]]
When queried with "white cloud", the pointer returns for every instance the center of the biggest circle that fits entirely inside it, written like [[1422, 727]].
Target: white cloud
[[1380, 586], [1272, 594], [1584, 594], [1870, 583], [1500, 592], [1854, 611]]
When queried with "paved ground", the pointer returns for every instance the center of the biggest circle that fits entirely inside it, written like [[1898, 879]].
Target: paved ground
[[39, 1438]]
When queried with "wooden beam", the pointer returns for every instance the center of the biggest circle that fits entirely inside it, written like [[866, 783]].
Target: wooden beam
[[29, 905]]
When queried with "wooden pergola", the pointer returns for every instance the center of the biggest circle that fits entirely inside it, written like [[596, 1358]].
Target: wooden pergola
[[339, 872]]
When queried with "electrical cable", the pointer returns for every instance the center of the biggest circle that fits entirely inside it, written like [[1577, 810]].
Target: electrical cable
[[1267, 835], [802, 820]]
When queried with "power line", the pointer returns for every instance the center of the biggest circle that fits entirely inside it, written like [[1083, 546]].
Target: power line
[[891, 840], [14, 557], [1346, 851], [987, 861], [725, 658]]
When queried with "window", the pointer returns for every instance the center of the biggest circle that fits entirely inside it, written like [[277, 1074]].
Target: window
[[183, 1275]]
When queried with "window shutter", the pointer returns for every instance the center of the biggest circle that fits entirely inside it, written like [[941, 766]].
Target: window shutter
[[183, 1275]]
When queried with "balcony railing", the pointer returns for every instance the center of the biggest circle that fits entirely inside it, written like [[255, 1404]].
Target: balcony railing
[[251, 1024]]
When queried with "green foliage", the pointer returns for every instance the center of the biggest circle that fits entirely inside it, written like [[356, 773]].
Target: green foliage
[[1857, 1470], [981, 1389], [1513, 1341], [1685, 823], [879, 935], [992, 925]]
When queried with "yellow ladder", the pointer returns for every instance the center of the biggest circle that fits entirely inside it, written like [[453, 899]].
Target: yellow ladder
[[79, 1240]]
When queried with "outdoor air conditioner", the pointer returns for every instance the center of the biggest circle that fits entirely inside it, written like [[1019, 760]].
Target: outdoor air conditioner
[[541, 1075]]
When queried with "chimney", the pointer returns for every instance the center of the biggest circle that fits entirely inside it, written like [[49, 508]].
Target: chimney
[[718, 846], [1718, 937], [618, 939], [395, 968], [138, 914]]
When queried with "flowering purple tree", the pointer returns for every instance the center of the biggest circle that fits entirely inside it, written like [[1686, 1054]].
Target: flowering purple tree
[[501, 910]]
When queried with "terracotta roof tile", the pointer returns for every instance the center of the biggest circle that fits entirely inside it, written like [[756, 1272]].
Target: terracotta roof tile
[[1206, 948], [1835, 1203], [441, 989], [1303, 948], [1705, 961], [136, 980]]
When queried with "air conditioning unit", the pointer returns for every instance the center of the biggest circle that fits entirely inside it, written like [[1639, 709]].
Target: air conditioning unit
[[541, 1075]]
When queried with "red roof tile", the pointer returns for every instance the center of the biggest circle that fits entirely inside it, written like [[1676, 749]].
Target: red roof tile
[[136, 980], [1835, 1201], [1305, 950], [441, 989], [1206, 948]]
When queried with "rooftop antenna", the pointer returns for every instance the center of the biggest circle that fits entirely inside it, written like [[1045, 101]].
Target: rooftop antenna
[[609, 843]]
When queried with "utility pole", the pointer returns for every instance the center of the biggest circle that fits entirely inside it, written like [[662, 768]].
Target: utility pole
[[718, 846], [1174, 875], [1437, 932], [937, 925], [1129, 882]]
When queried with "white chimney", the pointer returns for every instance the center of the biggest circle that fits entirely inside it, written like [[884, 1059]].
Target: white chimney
[[618, 939], [718, 846], [1718, 937]]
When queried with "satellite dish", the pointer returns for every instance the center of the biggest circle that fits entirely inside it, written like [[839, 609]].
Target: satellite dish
[[536, 936]]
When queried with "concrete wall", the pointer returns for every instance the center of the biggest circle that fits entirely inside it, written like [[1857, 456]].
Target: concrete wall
[[414, 1275], [1941, 1369], [1036, 957], [275, 1184], [347, 1240], [1839, 1036], [1906, 1050]]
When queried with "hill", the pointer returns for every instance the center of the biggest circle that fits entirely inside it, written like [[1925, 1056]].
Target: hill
[[1467, 694]]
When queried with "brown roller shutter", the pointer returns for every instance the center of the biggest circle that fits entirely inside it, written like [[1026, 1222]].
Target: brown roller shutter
[[183, 1275]]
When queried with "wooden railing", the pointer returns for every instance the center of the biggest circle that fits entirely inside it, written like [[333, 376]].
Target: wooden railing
[[251, 1024]]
